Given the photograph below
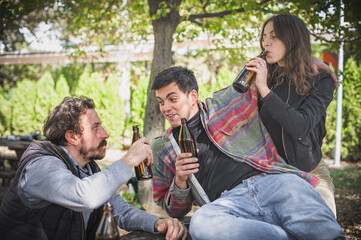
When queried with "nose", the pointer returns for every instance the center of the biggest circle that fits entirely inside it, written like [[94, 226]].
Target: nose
[[166, 106], [266, 42], [104, 134]]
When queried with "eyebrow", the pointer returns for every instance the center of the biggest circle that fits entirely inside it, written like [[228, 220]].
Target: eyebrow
[[167, 95], [272, 31], [96, 123]]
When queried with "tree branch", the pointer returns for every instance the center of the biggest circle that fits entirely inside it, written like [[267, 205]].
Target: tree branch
[[193, 18], [334, 41]]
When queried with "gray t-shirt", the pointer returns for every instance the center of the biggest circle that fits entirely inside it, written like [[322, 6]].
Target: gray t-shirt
[[47, 180]]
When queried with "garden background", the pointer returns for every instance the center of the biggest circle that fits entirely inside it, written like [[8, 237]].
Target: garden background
[[29, 91]]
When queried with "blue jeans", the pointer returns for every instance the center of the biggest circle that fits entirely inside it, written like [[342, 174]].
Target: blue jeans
[[267, 206]]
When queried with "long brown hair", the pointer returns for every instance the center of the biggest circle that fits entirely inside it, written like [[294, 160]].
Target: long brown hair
[[293, 32]]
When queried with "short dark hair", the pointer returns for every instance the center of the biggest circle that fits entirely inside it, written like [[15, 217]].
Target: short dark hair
[[65, 117], [183, 77]]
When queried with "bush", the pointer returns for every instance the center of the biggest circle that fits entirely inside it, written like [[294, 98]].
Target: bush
[[351, 116], [45, 99], [138, 101], [108, 103], [23, 112], [5, 114], [223, 79], [62, 90]]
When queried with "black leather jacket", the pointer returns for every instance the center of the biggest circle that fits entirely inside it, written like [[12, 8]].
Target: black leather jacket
[[297, 123]]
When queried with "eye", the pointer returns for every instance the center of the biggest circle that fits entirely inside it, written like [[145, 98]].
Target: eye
[[160, 102], [173, 99]]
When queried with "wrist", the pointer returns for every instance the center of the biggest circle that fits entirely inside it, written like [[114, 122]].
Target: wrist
[[264, 91], [127, 160], [180, 183]]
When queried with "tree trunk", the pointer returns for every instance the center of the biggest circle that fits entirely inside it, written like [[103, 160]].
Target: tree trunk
[[163, 28]]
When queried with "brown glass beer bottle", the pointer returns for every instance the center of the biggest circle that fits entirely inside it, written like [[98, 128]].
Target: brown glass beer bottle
[[245, 79], [142, 172], [107, 229], [187, 142]]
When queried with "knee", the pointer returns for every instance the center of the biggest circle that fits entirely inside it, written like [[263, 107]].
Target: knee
[[292, 183], [203, 225], [197, 225]]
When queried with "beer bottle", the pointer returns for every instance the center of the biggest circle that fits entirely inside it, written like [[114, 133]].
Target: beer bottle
[[107, 229], [186, 139], [142, 172], [245, 79]]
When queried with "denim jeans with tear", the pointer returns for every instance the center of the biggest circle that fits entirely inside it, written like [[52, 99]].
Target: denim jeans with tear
[[267, 206]]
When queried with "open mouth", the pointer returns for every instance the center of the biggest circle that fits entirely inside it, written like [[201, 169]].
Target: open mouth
[[170, 116]]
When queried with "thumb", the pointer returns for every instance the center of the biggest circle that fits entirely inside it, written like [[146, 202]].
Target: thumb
[[161, 226]]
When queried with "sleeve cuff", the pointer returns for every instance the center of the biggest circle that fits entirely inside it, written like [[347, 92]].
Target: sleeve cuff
[[179, 193], [268, 96]]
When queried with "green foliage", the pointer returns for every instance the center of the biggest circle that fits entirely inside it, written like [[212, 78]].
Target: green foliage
[[349, 178], [351, 116], [5, 115], [62, 90], [112, 111], [23, 112], [138, 101], [45, 99], [223, 79], [30, 103], [72, 73], [351, 112], [108, 103], [131, 198]]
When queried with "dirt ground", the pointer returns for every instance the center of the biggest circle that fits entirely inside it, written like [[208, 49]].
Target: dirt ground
[[348, 199]]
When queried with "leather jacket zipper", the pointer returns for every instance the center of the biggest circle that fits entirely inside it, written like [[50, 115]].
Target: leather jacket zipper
[[283, 137]]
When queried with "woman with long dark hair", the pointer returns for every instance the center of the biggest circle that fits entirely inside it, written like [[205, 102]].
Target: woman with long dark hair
[[293, 100]]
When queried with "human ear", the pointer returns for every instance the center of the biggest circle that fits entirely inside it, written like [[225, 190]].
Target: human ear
[[72, 137], [194, 96]]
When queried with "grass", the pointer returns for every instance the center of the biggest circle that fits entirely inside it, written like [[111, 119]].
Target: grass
[[349, 177], [347, 183]]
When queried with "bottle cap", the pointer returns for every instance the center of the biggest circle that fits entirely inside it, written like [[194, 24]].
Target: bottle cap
[[135, 127]]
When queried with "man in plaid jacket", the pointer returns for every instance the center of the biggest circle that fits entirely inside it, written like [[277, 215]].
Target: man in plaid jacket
[[244, 187]]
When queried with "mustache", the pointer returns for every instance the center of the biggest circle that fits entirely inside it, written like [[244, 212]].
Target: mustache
[[103, 143]]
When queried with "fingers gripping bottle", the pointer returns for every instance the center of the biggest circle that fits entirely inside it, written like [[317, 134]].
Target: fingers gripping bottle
[[245, 78], [142, 172], [186, 139]]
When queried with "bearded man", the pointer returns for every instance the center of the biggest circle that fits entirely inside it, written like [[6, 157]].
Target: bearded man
[[58, 191]]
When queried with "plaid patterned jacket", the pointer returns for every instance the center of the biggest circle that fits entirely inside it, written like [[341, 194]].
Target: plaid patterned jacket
[[232, 123]]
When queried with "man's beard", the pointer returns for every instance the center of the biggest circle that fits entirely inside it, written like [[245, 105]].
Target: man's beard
[[93, 153]]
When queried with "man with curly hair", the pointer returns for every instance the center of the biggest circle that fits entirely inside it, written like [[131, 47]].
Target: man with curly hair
[[58, 191]]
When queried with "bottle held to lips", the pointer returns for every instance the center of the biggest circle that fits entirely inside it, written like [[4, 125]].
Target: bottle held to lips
[[107, 229], [245, 79], [142, 172], [186, 139]]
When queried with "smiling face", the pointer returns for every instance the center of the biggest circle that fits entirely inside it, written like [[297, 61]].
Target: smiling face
[[175, 104], [273, 45], [93, 137]]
